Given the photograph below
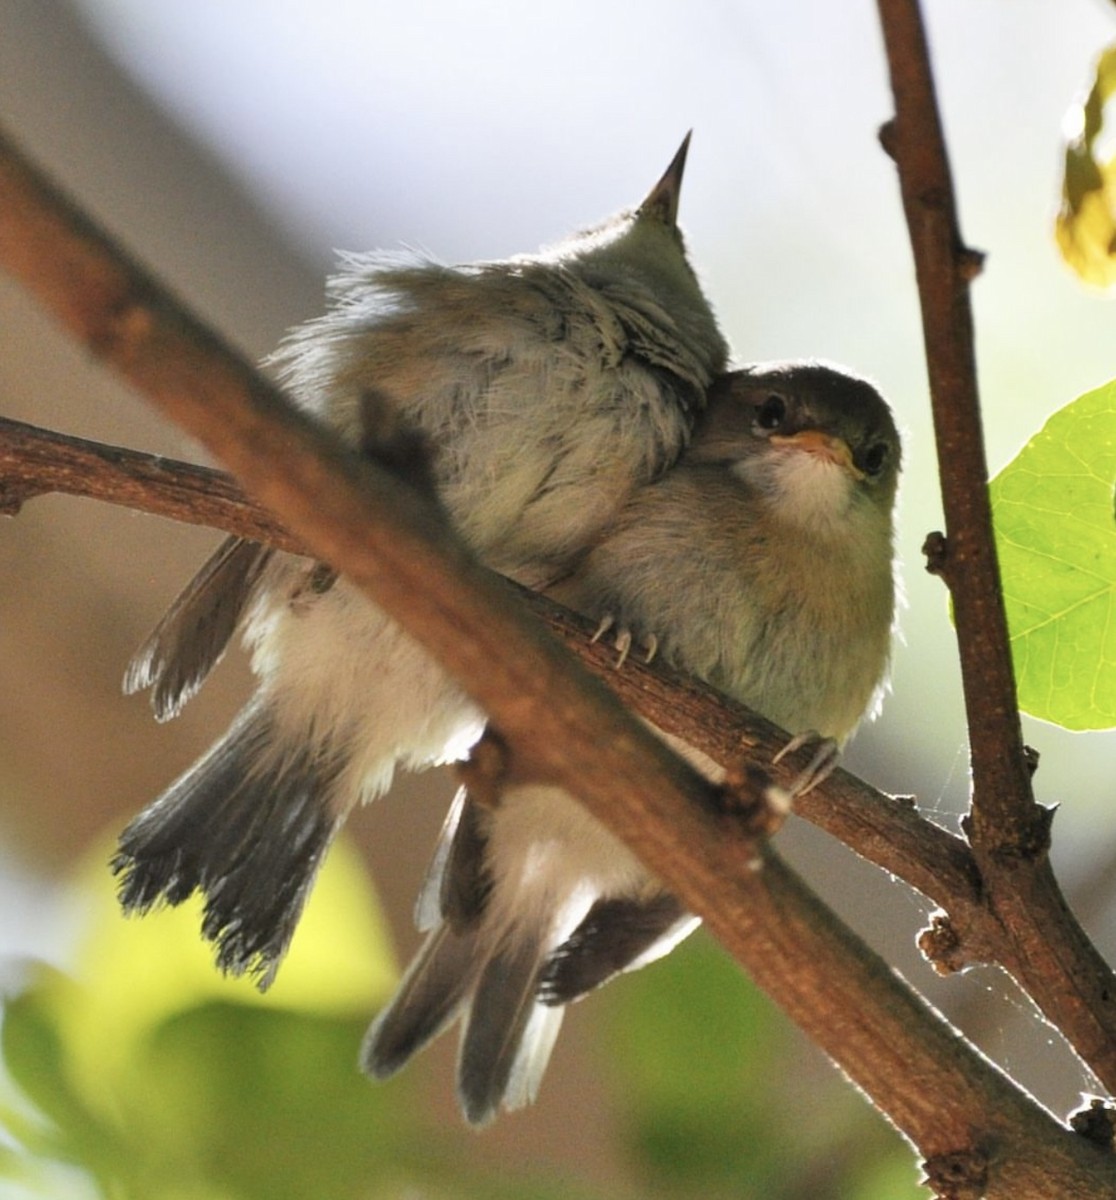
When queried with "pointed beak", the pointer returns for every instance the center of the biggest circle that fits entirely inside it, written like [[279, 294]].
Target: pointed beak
[[825, 445], [662, 201]]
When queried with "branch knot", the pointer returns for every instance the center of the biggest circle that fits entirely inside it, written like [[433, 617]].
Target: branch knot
[[1095, 1121], [753, 800], [958, 1175], [936, 550], [970, 263], [485, 772], [942, 945], [124, 329], [1027, 841]]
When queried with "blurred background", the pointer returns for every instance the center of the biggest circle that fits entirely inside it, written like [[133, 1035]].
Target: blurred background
[[233, 148]]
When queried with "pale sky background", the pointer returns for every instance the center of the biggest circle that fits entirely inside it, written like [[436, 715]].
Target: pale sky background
[[246, 141]]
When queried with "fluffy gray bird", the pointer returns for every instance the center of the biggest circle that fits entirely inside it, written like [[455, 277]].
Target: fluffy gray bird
[[548, 388], [761, 563]]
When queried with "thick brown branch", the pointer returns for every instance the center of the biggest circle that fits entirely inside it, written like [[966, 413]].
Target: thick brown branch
[[1047, 950], [391, 541]]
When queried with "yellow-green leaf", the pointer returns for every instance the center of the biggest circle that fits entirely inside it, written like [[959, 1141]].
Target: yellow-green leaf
[[1056, 537], [136, 972]]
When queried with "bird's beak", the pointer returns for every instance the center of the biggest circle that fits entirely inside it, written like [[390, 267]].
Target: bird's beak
[[825, 445], [662, 200]]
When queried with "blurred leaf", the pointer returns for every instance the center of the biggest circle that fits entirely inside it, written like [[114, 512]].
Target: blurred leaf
[[227, 1101], [151, 1078], [82, 1051], [269, 1104], [37, 1061], [273, 1106], [894, 1177], [714, 1102], [137, 972], [1056, 538], [1086, 223], [693, 1047]]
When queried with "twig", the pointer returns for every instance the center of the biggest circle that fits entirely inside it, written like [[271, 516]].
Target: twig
[[36, 461], [972, 1124], [1046, 949]]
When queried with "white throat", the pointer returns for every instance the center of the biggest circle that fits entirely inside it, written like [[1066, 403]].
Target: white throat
[[807, 489]]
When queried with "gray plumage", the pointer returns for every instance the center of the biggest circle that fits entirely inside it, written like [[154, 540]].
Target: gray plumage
[[762, 563], [193, 634], [548, 388]]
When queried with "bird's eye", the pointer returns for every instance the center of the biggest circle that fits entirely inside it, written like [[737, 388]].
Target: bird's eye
[[770, 414], [875, 457]]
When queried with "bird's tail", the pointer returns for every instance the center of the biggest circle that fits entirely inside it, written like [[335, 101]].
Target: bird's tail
[[507, 1033], [247, 826], [477, 966], [514, 937], [507, 1040]]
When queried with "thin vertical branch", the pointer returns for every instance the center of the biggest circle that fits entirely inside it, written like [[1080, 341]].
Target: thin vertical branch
[[1046, 950], [1002, 807]]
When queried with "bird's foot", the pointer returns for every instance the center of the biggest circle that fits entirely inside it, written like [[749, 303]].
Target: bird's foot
[[823, 763], [624, 641]]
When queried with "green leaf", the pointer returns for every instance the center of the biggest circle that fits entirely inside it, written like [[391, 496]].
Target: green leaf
[[137, 972], [152, 1078], [12, 1166], [1086, 224], [37, 1060], [1056, 538], [716, 1104], [264, 1103], [892, 1177], [693, 1048]]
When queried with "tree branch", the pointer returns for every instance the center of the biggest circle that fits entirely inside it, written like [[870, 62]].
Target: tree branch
[[976, 1129], [34, 462], [1046, 949]]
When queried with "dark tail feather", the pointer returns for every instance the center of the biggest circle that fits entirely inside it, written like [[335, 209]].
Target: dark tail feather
[[507, 1038], [429, 998], [457, 883], [474, 963], [508, 1035], [451, 904], [195, 631], [248, 826], [616, 935]]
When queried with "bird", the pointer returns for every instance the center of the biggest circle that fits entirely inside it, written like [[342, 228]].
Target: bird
[[545, 388], [761, 563]]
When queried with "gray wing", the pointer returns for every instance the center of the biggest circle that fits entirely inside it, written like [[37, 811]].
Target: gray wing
[[194, 632]]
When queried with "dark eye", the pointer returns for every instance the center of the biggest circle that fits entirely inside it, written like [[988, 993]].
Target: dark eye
[[770, 414], [875, 457]]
